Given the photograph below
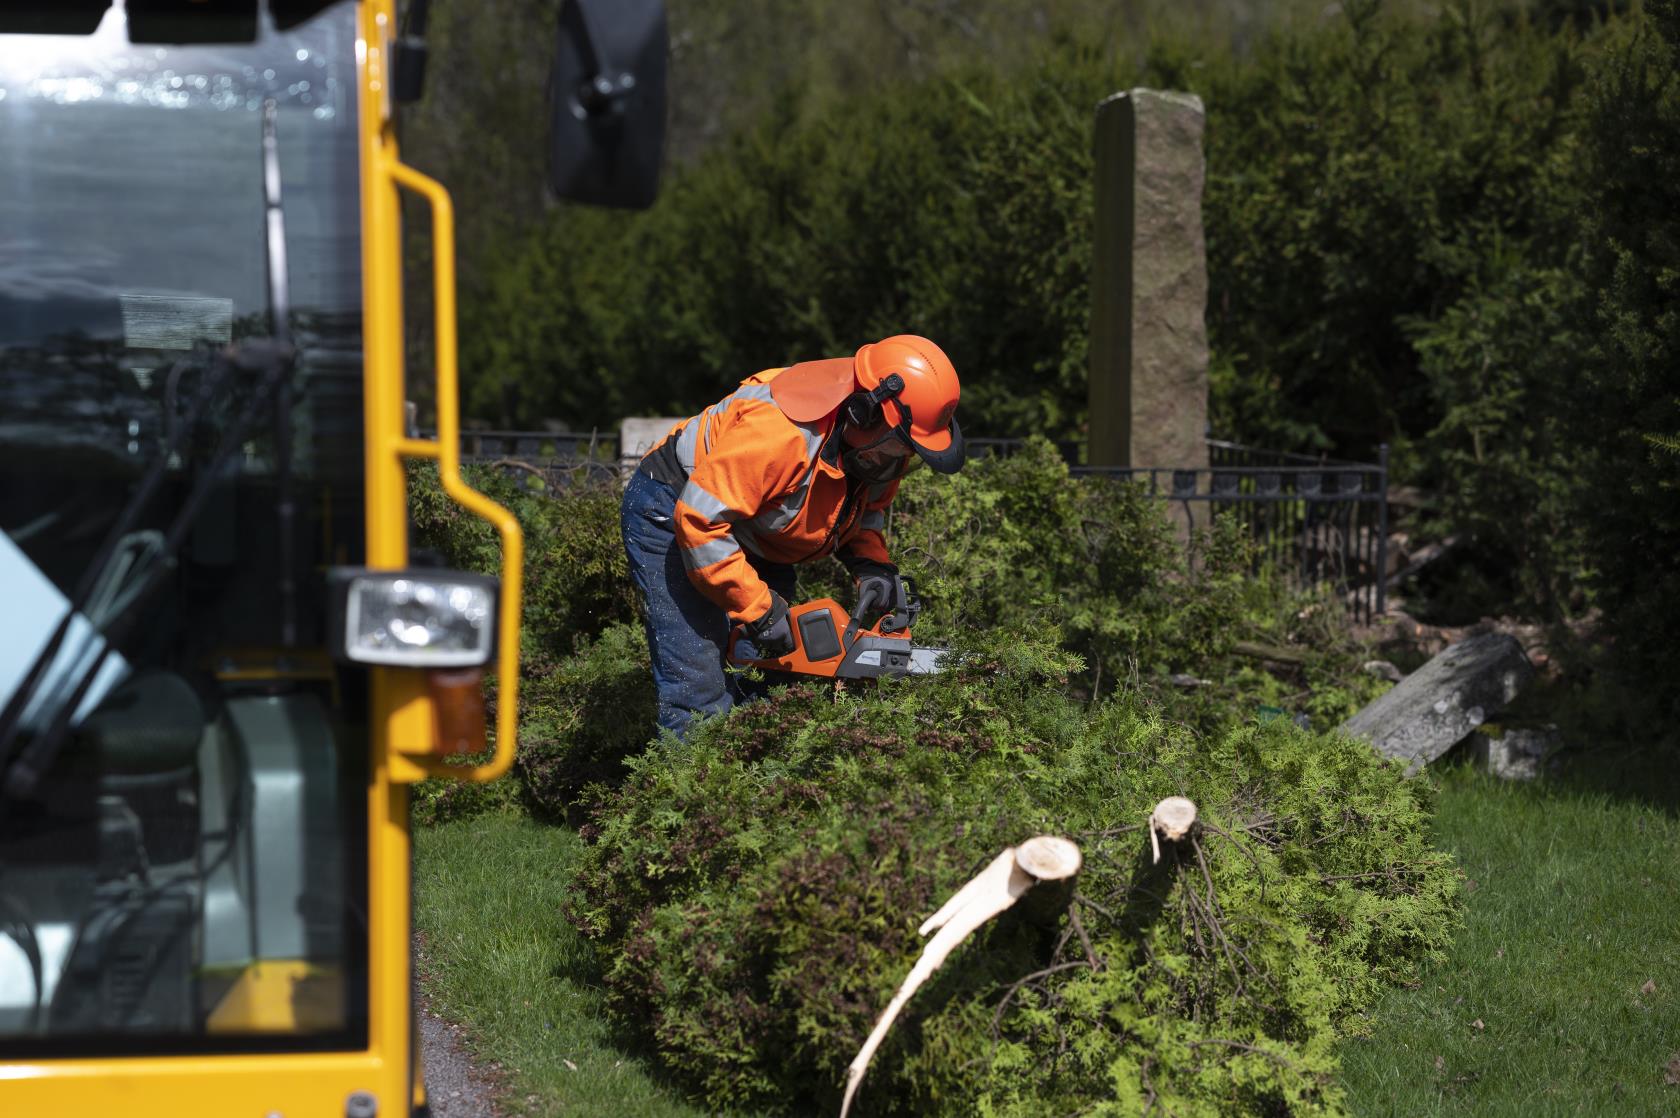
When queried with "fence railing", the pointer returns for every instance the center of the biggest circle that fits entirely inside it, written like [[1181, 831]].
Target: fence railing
[[557, 458], [533, 446], [1322, 520]]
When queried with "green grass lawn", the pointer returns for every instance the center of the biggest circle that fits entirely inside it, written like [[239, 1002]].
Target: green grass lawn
[[499, 958], [1542, 1008]]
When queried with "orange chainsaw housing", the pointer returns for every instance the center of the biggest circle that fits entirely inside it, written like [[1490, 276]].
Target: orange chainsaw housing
[[828, 642]]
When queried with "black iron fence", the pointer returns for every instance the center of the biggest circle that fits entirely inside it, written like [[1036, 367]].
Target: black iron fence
[[538, 446], [557, 459], [1321, 520]]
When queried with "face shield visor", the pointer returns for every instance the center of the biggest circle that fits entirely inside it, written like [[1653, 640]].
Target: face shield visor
[[884, 457]]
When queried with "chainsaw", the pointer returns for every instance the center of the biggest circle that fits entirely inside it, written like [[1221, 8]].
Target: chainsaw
[[828, 641]]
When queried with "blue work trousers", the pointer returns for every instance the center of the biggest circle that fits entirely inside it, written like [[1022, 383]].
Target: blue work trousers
[[687, 634]]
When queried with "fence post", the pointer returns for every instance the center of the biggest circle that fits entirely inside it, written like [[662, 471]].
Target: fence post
[[1382, 529]]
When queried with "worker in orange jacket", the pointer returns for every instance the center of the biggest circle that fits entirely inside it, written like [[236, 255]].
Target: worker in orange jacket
[[795, 464]]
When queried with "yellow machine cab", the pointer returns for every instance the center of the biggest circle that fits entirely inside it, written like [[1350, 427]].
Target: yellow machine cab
[[222, 667]]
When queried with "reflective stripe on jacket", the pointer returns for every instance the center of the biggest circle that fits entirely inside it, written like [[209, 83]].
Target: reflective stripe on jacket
[[755, 480]]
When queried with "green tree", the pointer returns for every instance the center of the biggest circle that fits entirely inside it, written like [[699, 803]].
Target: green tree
[[1628, 398]]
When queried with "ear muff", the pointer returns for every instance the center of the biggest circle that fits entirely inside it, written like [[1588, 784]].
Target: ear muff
[[863, 410]]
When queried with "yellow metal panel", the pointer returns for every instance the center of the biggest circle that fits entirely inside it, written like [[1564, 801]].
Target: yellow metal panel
[[281, 996], [315, 1085], [399, 711]]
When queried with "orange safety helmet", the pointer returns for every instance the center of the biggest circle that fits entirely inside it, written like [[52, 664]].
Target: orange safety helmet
[[921, 409], [924, 410]]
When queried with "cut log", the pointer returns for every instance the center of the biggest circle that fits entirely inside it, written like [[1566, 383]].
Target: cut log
[[995, 888], [1422, 558], [1438, 705]]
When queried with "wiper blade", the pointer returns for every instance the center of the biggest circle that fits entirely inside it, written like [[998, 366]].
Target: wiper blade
[[273, 361]]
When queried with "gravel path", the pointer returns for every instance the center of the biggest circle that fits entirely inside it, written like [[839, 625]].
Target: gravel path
[[455, 1087]]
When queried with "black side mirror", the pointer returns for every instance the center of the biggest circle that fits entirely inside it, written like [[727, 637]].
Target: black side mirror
[[607, 98]]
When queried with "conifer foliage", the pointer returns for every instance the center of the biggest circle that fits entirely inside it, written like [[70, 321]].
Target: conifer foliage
[[755, 894], [1629, 396]]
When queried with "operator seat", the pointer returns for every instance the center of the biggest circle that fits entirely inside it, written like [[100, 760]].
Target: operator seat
[[143, 742], [150, 723]]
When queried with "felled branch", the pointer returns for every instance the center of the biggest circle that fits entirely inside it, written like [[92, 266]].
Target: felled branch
[[1013, 872]]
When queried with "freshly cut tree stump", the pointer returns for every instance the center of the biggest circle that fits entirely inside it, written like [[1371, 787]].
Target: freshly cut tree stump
[[1172, 819], [1172, 828], [1013, 872]]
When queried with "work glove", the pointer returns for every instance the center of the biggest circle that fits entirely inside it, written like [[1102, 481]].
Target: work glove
[[875, 589], [772, 634]]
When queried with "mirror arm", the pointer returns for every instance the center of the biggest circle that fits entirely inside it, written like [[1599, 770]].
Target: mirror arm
[[408, 61], [607, 87]]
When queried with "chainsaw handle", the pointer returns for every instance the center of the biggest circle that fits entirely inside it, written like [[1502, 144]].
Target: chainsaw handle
[[905, 607]]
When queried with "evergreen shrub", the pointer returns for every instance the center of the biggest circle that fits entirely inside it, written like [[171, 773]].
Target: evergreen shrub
[[1019, 545], [1628, 395], [1394, 210], [1366, 172], [754, 895], [580, 721], [436, 800]]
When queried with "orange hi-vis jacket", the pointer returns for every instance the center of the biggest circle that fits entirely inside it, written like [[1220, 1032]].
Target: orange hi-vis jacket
[[755, 480]]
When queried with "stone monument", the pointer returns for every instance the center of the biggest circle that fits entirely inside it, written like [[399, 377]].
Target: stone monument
[[1148, 373]]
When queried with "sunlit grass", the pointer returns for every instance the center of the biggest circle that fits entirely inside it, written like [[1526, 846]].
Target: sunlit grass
[[500, 959], [1562, 993]]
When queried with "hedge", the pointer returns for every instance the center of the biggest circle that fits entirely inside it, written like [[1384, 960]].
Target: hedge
[[753, 891], [1449, 231]]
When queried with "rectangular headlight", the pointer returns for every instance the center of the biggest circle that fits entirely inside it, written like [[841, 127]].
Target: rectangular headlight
[[417, 618]]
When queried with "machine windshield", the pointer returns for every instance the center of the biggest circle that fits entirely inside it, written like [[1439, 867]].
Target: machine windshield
[[181, 766]]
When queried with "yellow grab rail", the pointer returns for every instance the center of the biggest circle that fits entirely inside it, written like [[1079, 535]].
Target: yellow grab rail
[[447, 451]]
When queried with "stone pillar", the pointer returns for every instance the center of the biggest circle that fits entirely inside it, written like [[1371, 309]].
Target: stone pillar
[[1148, 377]]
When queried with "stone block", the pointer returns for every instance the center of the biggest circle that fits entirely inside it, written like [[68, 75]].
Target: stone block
[[1438, 705], [1148, 372], [638, 435], [1516, 754]]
